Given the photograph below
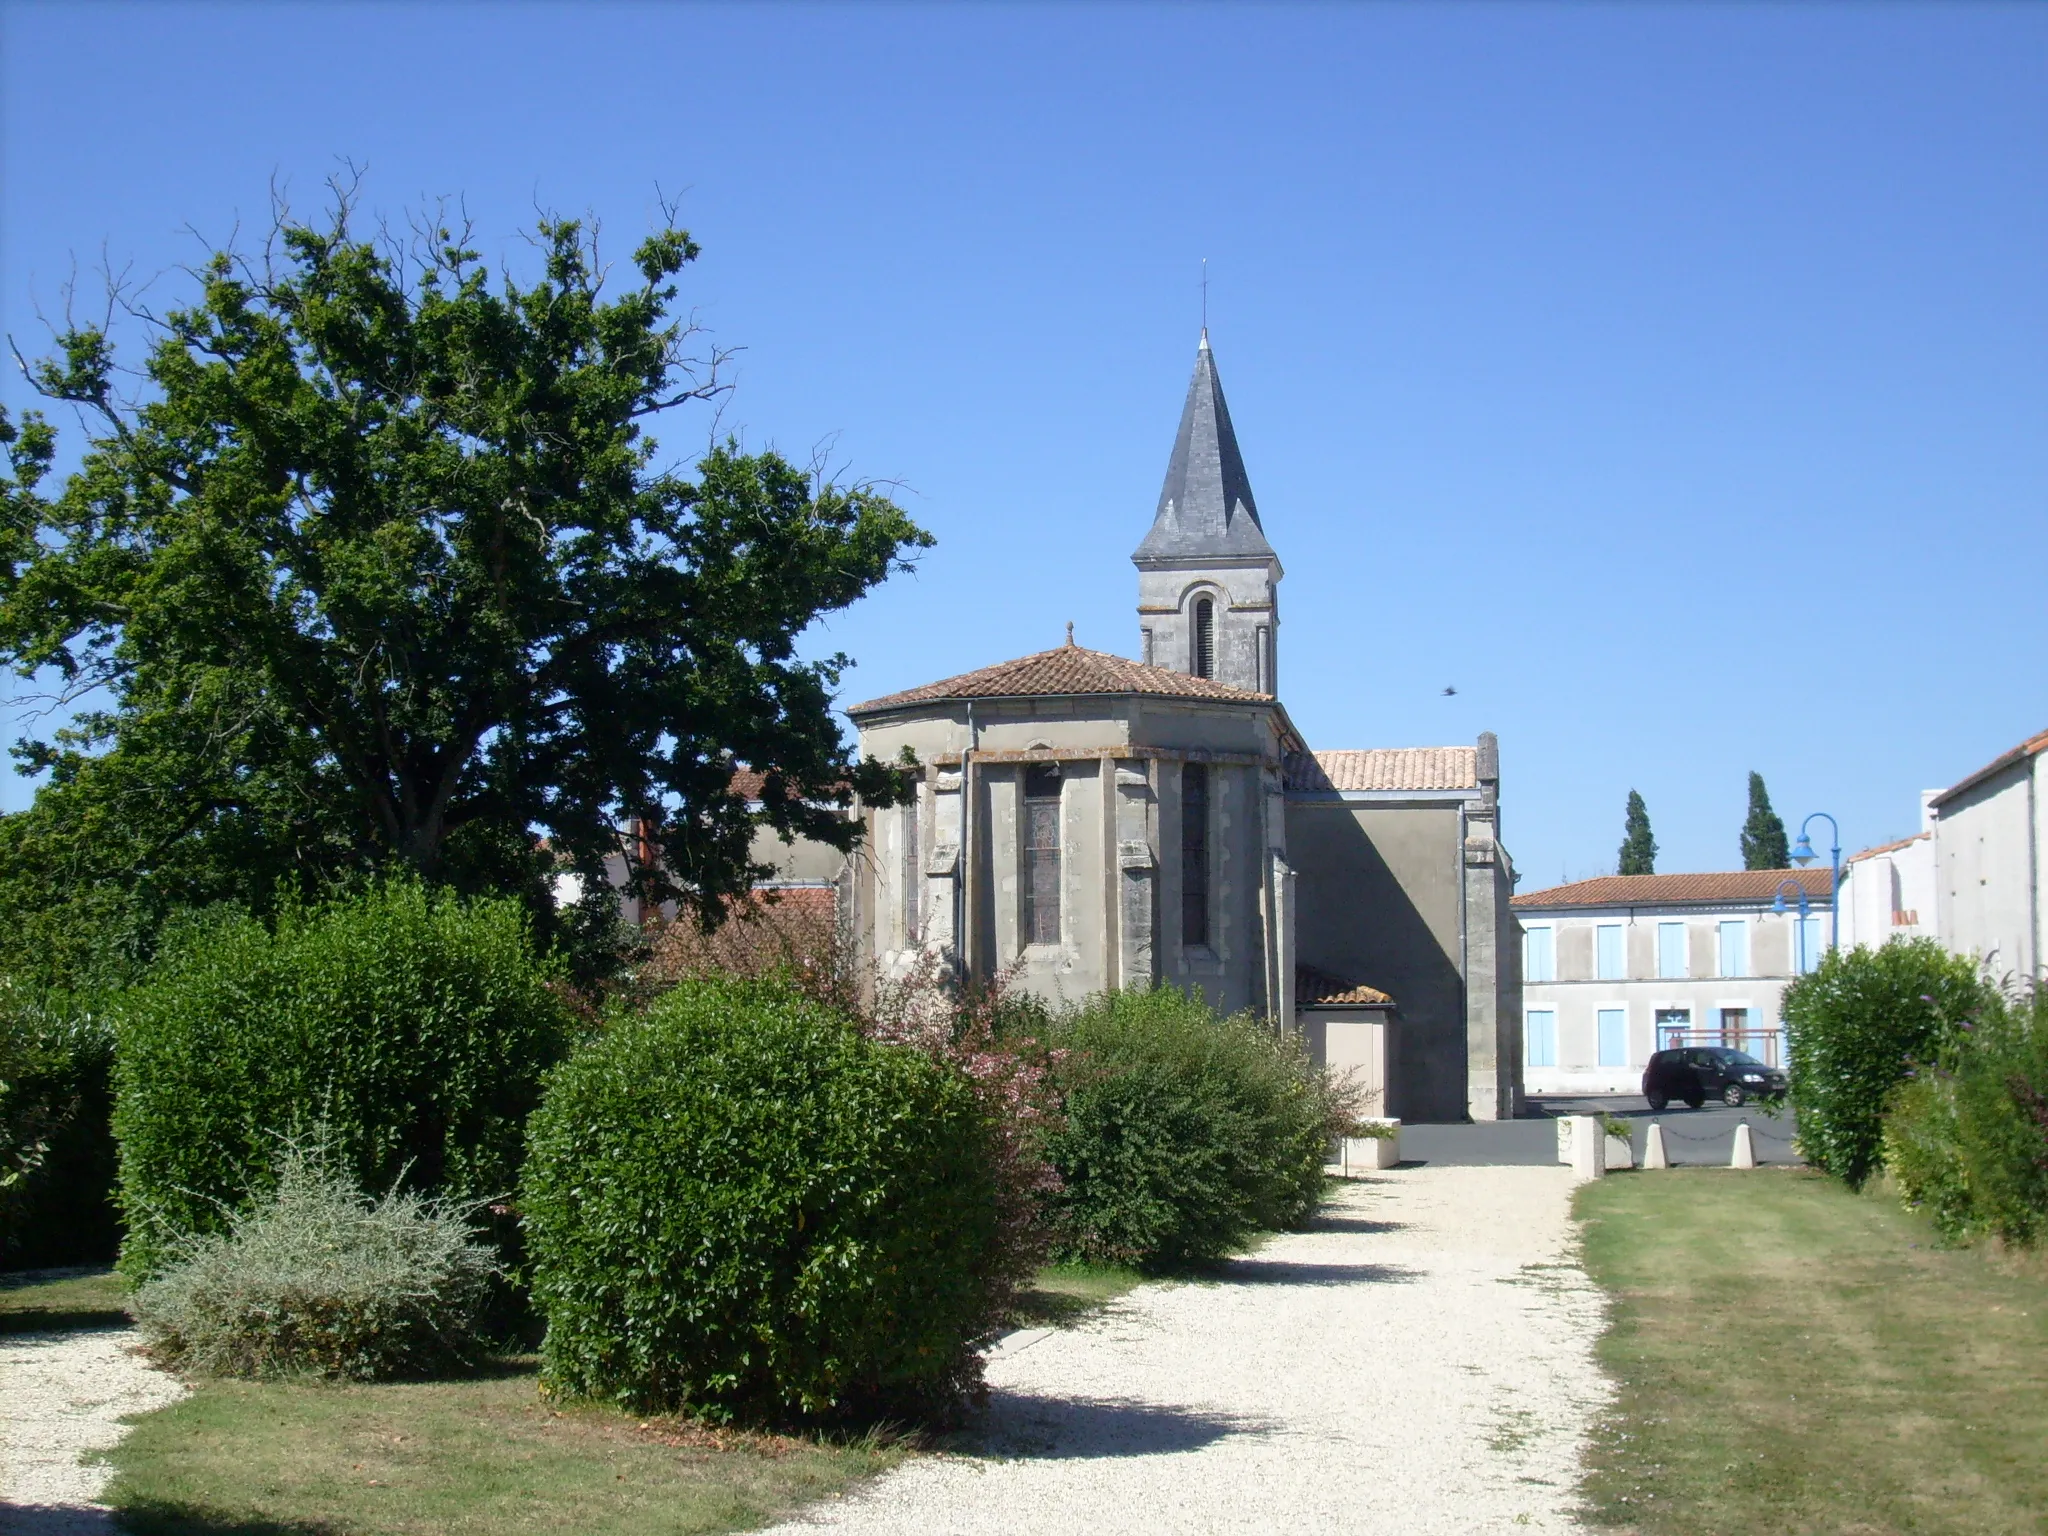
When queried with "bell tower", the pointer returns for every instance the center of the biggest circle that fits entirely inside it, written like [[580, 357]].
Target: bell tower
[[1208, 582]]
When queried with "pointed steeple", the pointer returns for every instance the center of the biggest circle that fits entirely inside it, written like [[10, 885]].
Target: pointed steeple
[[1205, 508]]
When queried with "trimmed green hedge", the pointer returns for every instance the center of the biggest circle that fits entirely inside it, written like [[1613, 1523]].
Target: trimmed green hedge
[[56, 1134], [414, 1027], [1855, 1027], [740, 1206], [1182, 1134]]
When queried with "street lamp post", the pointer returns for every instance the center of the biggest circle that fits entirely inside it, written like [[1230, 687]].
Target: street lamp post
[[1778, 906], [1803, 855]]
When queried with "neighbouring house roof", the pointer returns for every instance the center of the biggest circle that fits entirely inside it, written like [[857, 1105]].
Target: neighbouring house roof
[[1384, 768], [1737, 885], [2033, 746], [1205, 507], [1319, 989], [1066, 670], [1904, 842]]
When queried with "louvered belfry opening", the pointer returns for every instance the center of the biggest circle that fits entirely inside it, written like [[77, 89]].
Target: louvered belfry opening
[[1194, 854], [1041, 915], [1205, 637]]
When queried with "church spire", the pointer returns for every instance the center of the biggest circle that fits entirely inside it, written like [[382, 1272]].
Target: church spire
[[1208, 599], [1205, 508]]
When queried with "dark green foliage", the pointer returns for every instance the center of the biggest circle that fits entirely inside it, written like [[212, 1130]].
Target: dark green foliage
[[1855, 1027], [739, 1206], [1182, 1133], [413, 1025], [1763, 834], [56, 1136], [1638, 848], [317, 1278], [1967, 1138], [385, 572]]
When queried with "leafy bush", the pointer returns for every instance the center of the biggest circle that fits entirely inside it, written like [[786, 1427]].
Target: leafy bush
[[739, 1205], [315, 1277], [1967, 1138], [56, 1137], [415, 1026], [1855, 1026], [1920, 1151], [1181, 1133]]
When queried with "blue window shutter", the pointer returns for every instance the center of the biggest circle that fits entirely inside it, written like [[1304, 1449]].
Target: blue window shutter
[[1539, 956], [1610, 964], [1735, 948], [1539, 1038], [1613, 1037], [1671, 949]]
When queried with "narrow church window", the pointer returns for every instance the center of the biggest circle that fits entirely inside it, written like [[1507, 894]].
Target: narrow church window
[[913, 873], [1205, 638], [1194, 853], [1041, 854]]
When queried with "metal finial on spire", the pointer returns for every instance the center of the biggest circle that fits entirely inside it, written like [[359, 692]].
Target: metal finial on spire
[[1205, 301], [1070, 632]]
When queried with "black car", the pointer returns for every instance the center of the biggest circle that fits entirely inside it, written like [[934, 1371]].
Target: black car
[[1696, 1073]]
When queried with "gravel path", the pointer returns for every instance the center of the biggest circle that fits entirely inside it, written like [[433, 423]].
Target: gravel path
[[1419, 1362], [63, 1395]]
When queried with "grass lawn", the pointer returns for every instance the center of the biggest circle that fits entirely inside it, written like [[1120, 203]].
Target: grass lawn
[[487, 1455], [65, 1298], [1796, 1358], [482, 1455]]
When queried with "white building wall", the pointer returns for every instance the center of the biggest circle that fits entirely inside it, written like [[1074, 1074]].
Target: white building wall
[[1576, 994], [1988, 843]]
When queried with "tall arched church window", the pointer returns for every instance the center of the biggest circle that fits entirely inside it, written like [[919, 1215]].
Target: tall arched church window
[[1194, 854], [1205, 637], [1041, 914]]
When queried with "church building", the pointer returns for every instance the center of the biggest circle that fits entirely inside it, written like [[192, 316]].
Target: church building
[[1086, 821]]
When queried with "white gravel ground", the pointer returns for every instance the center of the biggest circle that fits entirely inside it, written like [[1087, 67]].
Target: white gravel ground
[[1421, 1362], [64, 1395]]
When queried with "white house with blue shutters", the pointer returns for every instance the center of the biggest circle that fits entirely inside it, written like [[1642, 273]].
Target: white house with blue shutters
[[1620, 966]]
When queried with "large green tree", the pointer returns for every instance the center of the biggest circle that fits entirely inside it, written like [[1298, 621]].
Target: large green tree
[[375, 564], [1638, 848], [1763, 834]]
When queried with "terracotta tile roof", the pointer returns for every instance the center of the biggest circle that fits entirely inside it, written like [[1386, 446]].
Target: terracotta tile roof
[[1317, 989], [2033, 746], [1736, 885], [1904, 842], [1067, 669], [1384, 768]]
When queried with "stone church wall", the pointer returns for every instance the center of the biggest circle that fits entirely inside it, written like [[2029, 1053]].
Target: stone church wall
[[1380, 902]]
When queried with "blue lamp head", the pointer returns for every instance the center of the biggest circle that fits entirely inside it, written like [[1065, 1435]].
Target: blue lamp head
[[1778, 905], [1802, 851]]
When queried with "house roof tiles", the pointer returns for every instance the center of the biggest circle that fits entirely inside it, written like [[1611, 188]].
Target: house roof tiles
[[1718, 889], [1319, 989], [1894, 847], [1384, 768], [1066, 670]]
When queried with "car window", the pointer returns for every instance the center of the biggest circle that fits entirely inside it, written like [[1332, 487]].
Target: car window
[[1740, 1059]]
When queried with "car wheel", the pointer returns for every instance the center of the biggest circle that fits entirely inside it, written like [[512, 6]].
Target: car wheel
[[1733, 1096], [1657, 1103], [1694, 1101]]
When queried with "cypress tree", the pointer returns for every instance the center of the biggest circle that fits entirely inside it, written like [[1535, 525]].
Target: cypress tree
[[1763, 834], [1638, 848]]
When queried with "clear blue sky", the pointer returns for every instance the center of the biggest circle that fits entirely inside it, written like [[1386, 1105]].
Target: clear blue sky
[[1672, 381]]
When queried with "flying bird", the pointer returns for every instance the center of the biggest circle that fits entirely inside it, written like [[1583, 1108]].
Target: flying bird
[[1448, 691]]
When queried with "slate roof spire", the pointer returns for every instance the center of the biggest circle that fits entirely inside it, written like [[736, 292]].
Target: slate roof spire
[[1205, 508]]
